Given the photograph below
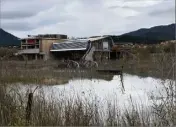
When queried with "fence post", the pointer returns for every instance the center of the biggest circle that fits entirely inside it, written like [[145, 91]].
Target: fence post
[[29, 109]]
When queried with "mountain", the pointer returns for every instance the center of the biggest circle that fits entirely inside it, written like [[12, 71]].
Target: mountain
[[151, 35], [7, 39], [145, 35]]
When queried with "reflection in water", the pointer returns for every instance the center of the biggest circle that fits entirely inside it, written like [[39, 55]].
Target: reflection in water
[[134, 87]]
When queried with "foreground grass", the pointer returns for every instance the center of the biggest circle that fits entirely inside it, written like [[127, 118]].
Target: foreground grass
[[47, 110]]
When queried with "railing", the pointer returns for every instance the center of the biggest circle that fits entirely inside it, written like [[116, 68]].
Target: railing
[[29, 51]]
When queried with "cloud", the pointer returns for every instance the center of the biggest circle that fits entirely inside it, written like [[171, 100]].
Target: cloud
[[13, 9], [16, 15], [163, 12], [17, 26], [84, 17], [131, 3]]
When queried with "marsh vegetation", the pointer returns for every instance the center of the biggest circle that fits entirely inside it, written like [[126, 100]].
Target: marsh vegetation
[[34, 107]]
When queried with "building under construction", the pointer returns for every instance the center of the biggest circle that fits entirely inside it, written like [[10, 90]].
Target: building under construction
[[56, 46], [38, 46]]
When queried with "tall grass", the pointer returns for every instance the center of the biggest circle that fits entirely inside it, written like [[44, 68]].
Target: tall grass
[[47, 110], [60, 111], [39, 72]]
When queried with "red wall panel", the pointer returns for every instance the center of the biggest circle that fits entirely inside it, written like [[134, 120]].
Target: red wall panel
[[31, 41]]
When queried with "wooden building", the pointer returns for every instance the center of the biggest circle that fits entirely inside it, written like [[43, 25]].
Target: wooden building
[[94, 48]]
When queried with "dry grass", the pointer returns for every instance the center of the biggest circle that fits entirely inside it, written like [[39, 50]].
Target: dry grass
[[47, 110], [78, 111], [45, 73]]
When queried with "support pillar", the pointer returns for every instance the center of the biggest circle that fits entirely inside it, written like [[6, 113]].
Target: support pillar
[[109, 57], [36, 57]]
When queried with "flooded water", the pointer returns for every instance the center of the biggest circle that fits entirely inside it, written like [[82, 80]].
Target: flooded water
[[136, 89]]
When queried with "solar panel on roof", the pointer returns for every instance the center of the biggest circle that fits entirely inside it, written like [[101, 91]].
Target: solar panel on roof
[[69, 45]]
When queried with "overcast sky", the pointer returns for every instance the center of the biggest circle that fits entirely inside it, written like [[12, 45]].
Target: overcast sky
[[81, 18]]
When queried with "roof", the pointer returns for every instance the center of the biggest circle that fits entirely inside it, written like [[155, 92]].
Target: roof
[[93, 38], [69, 46], [46, 36], [29, 38], [96, 38], [41, 38]]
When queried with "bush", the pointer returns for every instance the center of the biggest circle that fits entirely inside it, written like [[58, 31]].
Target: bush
[[6, 52]]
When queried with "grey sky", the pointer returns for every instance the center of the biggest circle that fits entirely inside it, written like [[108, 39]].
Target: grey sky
[[84, 17]]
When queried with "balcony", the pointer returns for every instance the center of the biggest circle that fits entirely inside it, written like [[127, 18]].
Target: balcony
[[29, 51]]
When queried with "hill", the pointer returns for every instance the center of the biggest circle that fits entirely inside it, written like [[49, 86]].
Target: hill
[[149, 36], [145, 35], [7, 39]]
